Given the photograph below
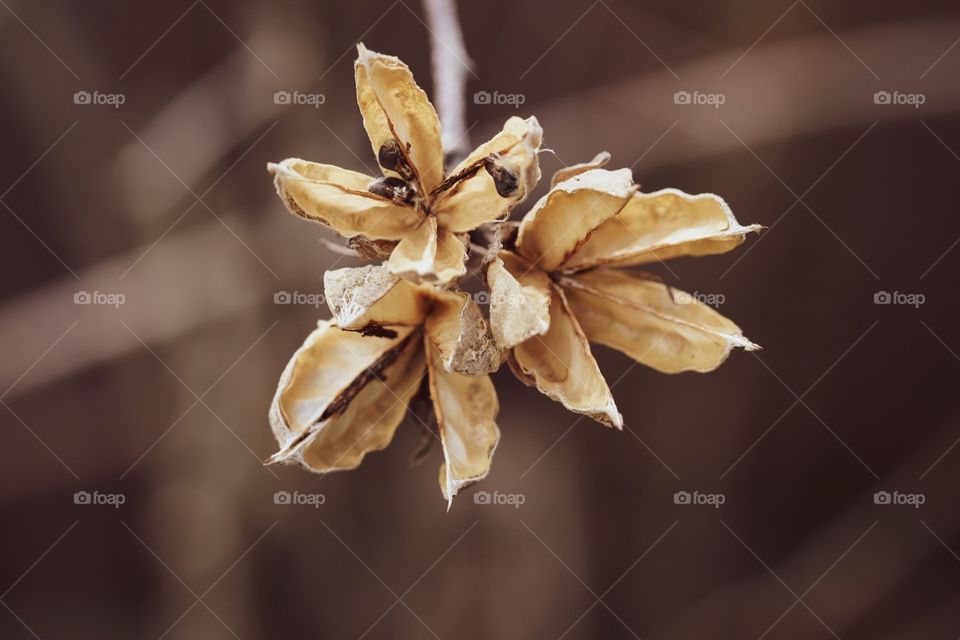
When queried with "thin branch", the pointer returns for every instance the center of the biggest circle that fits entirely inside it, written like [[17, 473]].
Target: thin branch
[[451, 63]]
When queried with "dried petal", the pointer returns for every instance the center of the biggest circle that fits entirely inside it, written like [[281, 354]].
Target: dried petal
[[430, 255], [458, 331], [403, 126], [466, 408], [324, 378], [564, 218], [493, 179], [599, 161], [661, 225], [638, 316], [361, 297], [563, 368], [519, 300], [347, 209]]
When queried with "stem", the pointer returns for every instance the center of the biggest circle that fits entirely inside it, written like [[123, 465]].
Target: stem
[[451, 63]]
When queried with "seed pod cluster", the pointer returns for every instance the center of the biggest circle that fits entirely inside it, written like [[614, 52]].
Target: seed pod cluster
[[403, 336]]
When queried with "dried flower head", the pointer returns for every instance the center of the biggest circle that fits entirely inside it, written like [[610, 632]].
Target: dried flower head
[[402, 336], [346, 390], [555, 291], [415, 212]]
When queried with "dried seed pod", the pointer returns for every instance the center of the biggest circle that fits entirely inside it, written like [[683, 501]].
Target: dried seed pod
[[562, 367], [519, 300], [564, 219], [360, 297], [402, 125], [342, 395], [461, 335], [466, 408], [429, 255], [346, 206], [472, 198], [653, 227], [637, 315]]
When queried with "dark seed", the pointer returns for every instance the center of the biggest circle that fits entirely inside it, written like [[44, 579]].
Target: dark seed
[[391, 158], [503, 179], [393, 188]]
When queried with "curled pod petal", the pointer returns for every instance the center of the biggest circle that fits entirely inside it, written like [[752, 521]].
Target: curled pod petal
[[309, 191], [563, 219], [342, 395], [670, 331], [561, 365], [661, 225]]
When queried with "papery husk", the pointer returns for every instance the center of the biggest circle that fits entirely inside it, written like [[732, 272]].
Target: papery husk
[[519, 300], [658, 226], [472, 198], [460, 334], [347, 209], [396, 109], [599, 161], [369, 249], [429, 255], [466, 408], [337, 385], [361, 297], [640, 317], [563, 219], [562, 366]]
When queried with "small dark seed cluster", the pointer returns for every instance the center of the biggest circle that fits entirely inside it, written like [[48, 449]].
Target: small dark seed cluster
[[392, 158], [504, 180], [395, 189]]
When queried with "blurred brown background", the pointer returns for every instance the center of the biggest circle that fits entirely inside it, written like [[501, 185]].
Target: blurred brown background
[[161, 401]]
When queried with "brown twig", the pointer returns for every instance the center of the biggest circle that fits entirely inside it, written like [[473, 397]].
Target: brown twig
[[451, 63]]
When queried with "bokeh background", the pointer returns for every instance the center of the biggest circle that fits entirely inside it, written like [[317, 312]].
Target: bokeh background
[[161, 401]]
